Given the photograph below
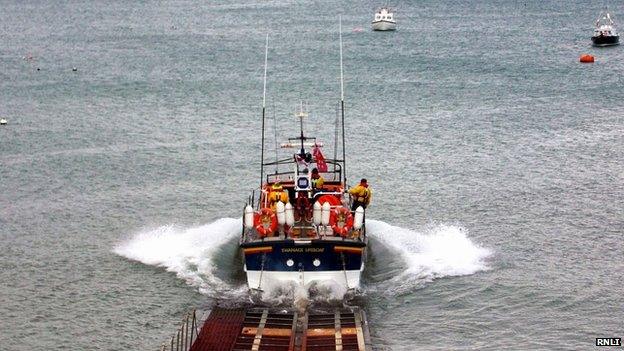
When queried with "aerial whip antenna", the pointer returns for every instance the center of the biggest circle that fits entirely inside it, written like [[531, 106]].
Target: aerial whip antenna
[[275, 134], [336, 121], [266, 57], [344, 158]]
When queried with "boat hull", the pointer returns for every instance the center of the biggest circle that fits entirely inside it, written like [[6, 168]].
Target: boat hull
[[606, 40], [384, 25], [347, 279], [303, 262]]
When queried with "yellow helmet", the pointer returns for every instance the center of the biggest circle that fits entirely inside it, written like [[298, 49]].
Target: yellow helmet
[[277, 186]]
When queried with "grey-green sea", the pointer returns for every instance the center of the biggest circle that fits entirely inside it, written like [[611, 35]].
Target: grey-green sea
[[495, 159]]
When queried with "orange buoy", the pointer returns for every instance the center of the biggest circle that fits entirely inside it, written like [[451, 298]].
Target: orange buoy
[[265, 222], [341, 221], [333, 201], [587, 58]]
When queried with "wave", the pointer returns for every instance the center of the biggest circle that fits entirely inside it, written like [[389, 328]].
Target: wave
[[440, 251], [318, 293], [207, 257], [194, 254]]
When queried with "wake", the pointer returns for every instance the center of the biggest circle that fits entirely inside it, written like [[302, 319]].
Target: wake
[[441, 251], [191, 253], [202, 255]]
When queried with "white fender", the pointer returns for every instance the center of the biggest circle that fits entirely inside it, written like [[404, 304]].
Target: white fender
[[248, 217], [316, 213], [290, 214], [281, 215], [358, 219], [325, 209]]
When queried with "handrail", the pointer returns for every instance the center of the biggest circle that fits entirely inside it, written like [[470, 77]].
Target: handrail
[[289, 160], [181, 340], [321, 193], [266, 198]]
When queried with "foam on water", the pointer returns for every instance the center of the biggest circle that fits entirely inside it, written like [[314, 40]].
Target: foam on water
[[292, 293], [189, 252], [442, 250]]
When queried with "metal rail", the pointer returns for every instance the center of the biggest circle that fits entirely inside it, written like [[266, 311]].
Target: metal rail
[[187, 333]]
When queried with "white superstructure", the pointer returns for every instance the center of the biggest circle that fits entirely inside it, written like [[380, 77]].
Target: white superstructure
[[605, 25], [605, 33]]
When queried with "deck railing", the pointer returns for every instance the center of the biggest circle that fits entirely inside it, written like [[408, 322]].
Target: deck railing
[[185, 336]]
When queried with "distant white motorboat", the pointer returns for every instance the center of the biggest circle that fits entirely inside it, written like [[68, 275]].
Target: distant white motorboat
[[3, 121], [384, 20], [605, 33]]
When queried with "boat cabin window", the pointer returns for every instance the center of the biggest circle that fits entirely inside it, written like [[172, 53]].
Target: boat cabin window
[[377, 17], [389, 17]]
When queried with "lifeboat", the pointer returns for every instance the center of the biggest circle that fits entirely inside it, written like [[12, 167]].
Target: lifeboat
[[304, 231]]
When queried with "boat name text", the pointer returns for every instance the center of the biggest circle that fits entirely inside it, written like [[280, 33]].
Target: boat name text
[[303, 249]]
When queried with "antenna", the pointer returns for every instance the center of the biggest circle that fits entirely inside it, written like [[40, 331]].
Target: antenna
[[344, 158], [275, 132], [336, 135], [266, 57], [301, 115]]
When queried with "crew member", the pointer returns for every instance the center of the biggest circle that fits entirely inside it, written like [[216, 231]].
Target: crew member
[[302, 205], [277, 194], [317, 181], [361, 195]]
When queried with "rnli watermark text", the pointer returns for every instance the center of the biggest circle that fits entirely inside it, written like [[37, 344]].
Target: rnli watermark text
[[608, 341]]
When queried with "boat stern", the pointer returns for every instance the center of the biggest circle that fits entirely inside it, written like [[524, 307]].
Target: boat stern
[[304, 262]]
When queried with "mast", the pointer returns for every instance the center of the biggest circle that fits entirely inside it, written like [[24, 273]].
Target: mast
[[301, 115], [336, 137], [344, 158], [266, 56], [275, 134]]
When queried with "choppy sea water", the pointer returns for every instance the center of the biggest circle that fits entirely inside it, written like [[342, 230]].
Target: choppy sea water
[[495, 159]]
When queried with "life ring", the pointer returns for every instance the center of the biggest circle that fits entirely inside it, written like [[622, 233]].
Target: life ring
[[265, 222], [341, 221], [333, 201]]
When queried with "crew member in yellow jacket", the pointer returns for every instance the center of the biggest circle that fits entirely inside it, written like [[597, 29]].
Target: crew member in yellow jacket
[[361, 195], [277, 194], [317, 181]]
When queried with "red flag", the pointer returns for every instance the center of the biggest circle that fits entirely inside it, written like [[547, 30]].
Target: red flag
[[320, 159]]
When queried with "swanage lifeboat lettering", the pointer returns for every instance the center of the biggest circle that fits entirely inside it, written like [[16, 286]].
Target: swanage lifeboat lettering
[[303, 249]]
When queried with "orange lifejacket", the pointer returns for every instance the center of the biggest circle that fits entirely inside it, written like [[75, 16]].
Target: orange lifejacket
[[361, 194], [277, 195]]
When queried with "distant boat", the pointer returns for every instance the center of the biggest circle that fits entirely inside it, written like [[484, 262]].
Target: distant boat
[[3, 121], [605, 33], [384, 20]]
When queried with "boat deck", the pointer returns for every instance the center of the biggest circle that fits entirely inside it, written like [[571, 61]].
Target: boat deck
[[276, 330]]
